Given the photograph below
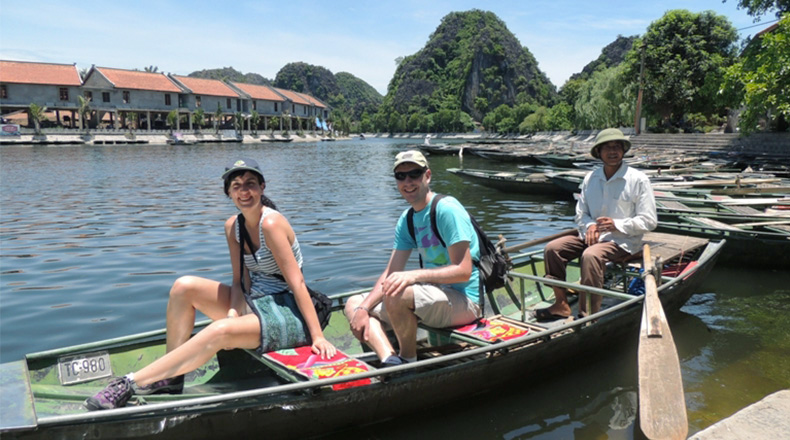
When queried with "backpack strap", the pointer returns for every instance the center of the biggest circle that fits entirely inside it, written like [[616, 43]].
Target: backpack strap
[[434, 228], [242, 239]]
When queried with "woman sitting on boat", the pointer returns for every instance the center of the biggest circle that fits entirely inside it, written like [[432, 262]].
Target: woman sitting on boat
[[276, 311]]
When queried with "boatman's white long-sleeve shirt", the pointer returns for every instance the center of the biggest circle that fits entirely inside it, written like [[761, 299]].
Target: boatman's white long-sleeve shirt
[[627, 198]]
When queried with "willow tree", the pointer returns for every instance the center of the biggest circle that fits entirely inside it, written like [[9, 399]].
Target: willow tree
[[604, 100]]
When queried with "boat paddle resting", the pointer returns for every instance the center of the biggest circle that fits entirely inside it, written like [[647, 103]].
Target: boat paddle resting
[[239, 391]]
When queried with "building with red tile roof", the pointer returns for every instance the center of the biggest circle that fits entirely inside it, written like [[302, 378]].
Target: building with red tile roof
[[209, 94], [55, 86], [262, 99], [303, 105], [152, 95]]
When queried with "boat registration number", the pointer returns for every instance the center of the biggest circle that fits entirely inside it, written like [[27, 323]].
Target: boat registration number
[[84, 367]]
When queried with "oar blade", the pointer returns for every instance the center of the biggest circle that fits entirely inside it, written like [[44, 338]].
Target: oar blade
[[662, 404]]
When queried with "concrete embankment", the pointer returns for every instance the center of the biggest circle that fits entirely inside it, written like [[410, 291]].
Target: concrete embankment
[[767, 419], [156, 138]]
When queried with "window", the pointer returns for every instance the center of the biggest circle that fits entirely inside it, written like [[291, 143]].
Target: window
[[167, 99], [3, 91], [254, 104], [105, 96], [293, 108], [89, 95], [64, 94], [197, 101], [125, 96], [275, 107], [228, 103]]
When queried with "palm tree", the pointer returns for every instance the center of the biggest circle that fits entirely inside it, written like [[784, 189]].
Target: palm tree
[[151, 69], [238, 122], [84, 111], [132, 118], [197, 119], [254, 119], [274, 122], [36, 113], [217, 115], [172, 118]]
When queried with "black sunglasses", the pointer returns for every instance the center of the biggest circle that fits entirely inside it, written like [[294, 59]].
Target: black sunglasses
[[415, 173]]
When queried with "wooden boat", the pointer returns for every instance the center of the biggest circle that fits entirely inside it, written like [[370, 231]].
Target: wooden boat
[[509, 156], [690, 184], [509, 181], [440, 149], [764, 243], [238, 392], [721, 209], [565, 160]]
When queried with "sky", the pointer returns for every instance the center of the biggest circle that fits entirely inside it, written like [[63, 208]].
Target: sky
[[360, 37]]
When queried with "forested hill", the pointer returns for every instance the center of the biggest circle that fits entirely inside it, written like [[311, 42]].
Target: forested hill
[[611, 55], [231, 74], [344, 92], [472, 62]]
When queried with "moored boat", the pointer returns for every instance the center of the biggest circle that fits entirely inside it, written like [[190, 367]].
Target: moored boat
[[237, 392], [509, 181]]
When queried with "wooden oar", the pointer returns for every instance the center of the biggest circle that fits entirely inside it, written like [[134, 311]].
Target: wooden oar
[[518, 247], [662, 405]]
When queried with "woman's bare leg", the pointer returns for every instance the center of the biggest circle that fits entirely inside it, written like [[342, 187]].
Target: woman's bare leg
[[241, 332], [187, 295]]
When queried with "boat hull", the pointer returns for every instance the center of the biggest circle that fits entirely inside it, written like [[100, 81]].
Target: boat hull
[[309, 408]]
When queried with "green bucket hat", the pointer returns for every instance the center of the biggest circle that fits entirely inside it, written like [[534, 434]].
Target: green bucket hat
[[610, 134]]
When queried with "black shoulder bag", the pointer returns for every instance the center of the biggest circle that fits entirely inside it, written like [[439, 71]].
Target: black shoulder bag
[[321, 302]]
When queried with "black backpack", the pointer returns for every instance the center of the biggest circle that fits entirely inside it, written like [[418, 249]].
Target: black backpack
[[492, 266]]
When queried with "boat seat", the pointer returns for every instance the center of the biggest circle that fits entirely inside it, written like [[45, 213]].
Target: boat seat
[[704, 221], [671, 204], [300, 364], [785, 229], [483, 332], [743, 210]]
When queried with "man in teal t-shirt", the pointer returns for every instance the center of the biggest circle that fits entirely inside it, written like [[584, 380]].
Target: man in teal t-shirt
[[444, 293]]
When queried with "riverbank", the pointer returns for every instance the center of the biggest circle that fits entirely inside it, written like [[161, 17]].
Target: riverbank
[[157, 138], [766, 419], [769, 144]]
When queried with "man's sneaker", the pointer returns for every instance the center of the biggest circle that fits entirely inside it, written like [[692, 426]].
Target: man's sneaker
[[114, 395], [173, 385], [392, 361]]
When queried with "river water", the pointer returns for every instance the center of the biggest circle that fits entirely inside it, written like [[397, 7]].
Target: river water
[[91, 238]]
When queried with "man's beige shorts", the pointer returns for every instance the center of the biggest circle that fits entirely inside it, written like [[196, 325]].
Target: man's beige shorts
[[437, 306]]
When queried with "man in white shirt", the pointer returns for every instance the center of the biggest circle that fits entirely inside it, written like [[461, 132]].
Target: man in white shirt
[[615, 209]]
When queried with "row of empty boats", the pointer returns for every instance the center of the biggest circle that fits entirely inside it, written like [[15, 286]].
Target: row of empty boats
[[714, 195]]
